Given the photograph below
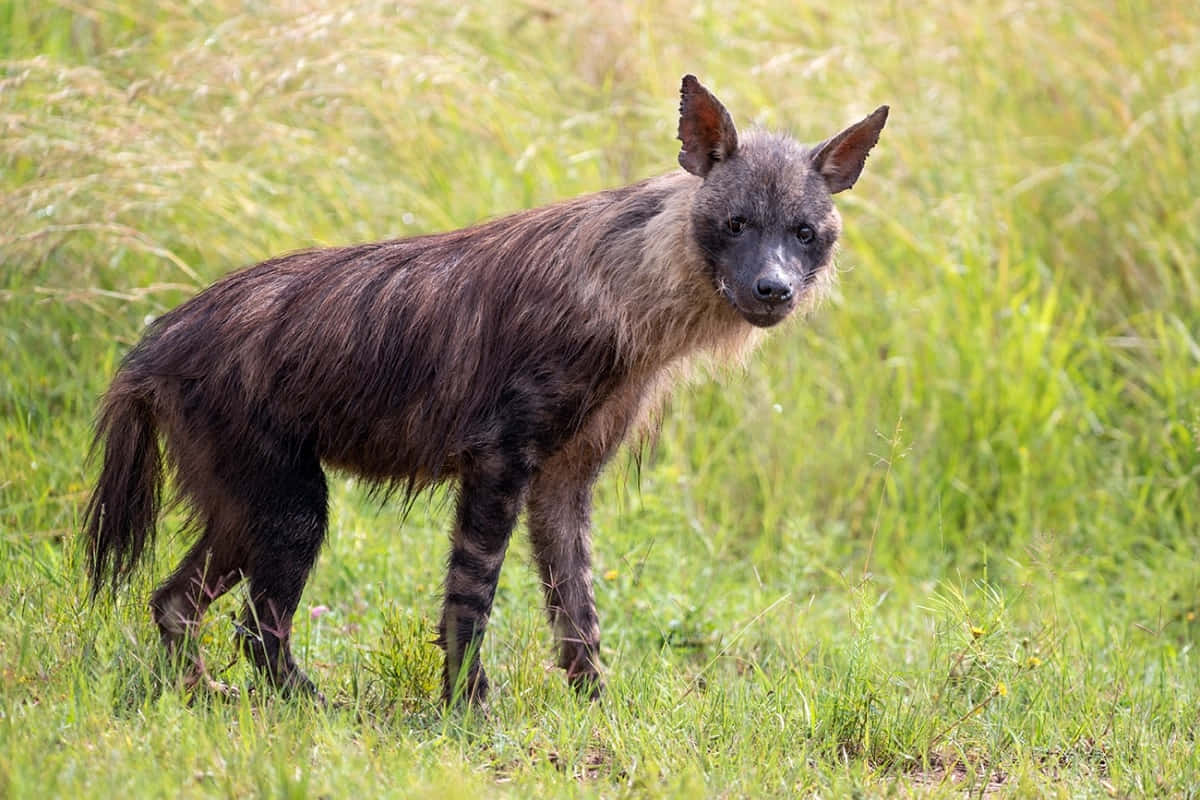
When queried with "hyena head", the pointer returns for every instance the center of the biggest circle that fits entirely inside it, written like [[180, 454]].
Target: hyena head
[[764, 216]]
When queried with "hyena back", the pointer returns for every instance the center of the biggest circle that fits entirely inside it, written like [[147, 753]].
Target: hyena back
[[512, 357]]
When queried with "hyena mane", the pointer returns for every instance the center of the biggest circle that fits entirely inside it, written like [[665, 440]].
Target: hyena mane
[[511, 357]]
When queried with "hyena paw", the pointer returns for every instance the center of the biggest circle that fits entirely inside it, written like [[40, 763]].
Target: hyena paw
[[297, 684], [200, 685], [470, 689], [587, 685]]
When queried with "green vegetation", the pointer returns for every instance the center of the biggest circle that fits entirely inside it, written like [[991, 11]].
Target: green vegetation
[[942, 536]]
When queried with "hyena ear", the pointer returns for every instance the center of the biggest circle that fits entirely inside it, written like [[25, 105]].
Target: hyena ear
[[705, 128], [840, 160]]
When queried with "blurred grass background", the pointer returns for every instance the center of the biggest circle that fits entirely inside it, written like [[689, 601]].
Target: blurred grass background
[[942, 536]]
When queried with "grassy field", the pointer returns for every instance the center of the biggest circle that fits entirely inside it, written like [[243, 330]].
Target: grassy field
[[940, 538]]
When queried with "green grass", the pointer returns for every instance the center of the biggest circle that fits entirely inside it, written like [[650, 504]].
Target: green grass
[[940, 538]]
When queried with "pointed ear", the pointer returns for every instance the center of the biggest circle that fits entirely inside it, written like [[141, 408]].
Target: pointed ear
[[705, 128], [840, 160]]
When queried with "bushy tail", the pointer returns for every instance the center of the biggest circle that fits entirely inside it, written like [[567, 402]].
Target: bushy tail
[[120, 518]]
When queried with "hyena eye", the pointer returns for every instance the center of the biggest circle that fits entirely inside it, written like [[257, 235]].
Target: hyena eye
[[737, 225], [805, 234]]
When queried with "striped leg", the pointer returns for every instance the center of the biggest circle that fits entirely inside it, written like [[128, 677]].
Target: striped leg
[[487, 511]]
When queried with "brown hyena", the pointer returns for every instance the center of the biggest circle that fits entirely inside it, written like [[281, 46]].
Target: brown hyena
[[512, 357]]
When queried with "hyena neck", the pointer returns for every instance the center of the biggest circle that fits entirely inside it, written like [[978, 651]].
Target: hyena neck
[[665, 306]]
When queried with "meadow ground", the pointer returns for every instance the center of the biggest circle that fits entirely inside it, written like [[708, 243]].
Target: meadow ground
[[941, 538]]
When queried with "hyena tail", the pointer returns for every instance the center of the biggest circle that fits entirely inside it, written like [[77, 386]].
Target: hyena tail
[[120, 518]]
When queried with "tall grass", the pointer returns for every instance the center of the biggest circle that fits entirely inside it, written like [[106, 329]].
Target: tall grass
[[941, 536]]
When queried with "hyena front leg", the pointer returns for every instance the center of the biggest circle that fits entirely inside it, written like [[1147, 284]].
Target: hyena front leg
[[560, 501], [488, 504]]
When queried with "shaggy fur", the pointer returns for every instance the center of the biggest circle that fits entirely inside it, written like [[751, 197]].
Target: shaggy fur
[[512, 357]]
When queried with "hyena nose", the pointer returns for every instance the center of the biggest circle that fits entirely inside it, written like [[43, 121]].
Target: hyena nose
[[771, 289]]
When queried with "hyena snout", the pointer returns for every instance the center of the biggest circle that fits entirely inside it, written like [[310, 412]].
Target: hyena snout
[[767, 298], [772, 288]]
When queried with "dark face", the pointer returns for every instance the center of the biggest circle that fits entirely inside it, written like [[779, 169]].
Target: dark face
[[764, 216], [765, 221]]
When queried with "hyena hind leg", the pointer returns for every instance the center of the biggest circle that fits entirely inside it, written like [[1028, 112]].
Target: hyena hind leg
[[287, 524], [211, 568]]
